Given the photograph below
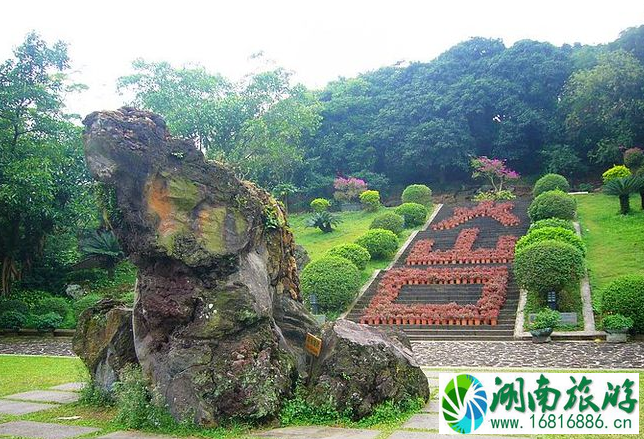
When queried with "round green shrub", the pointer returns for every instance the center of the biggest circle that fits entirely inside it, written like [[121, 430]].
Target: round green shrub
[[548, 266], [333, 279], [617, 322], [380, 243], [625, 295], [552, 222], [389, 221], [551, 233], [370, 200], [12, 320], [48, 305], [320, 205], [552, 204], [413, 213], [47, 322], [617, 171], [550, 182], [417, 193], [353, 252], [546, 319]]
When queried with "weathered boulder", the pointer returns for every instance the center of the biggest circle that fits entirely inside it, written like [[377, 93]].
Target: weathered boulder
[[219, 324], [302, 258], [362, 366], [105, 342]]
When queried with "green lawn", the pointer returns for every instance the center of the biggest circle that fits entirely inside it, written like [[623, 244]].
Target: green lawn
[[352, 226], [21, 373], [615, 242]]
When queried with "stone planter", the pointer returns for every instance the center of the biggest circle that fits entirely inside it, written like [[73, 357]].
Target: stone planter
[[617, 336], [541, 335]]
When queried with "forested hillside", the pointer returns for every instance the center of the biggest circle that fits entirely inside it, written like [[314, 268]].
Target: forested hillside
[[569, 109]]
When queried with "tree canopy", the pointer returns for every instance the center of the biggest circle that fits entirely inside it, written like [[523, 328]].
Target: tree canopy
[[43, 181]]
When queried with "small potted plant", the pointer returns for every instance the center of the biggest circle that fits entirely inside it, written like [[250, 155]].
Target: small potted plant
[[617, 327], [543, 325]]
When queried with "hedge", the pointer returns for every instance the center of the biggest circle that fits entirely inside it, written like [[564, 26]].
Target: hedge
[[334, 281]]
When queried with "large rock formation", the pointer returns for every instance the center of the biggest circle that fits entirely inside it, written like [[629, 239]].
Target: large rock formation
[[218, 321], [361, 366], [219, 324], [104, 341]]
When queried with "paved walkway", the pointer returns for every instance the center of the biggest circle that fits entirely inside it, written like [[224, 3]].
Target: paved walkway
[[586, 355], [26, 345]]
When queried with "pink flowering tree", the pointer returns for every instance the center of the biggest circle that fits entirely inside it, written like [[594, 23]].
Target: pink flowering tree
[[494, 171], [348, 189]]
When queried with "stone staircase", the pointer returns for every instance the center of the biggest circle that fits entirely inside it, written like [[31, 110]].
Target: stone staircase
[[490, 231]]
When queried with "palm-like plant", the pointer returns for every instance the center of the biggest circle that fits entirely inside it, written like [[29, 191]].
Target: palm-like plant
[[323, 220], [103, 248], [623, 188]]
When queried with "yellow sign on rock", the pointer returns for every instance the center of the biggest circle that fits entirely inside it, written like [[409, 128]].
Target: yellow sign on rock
[[313, 344]]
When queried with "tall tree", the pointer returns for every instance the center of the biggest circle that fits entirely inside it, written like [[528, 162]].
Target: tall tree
[[42, 173], [258, 125], [604, 107]]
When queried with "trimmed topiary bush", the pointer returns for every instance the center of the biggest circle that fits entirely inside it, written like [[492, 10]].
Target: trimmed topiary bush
[[550, 182], [417, 193], [548, 266], [625, 295], [320, 205], [553, 204], [370, 200], [389, 221], [353, 252], [617, 171], [12, 320], [334, 281], [551, 233], [552, 222], [414, 214], [380, 243]]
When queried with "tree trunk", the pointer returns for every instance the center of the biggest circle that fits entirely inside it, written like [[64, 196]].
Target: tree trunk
[[624, 204], [8, 274], [642, 197]]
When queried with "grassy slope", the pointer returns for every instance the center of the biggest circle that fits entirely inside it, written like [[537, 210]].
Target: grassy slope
[[352, 226], [21, 373], [615, 242]]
